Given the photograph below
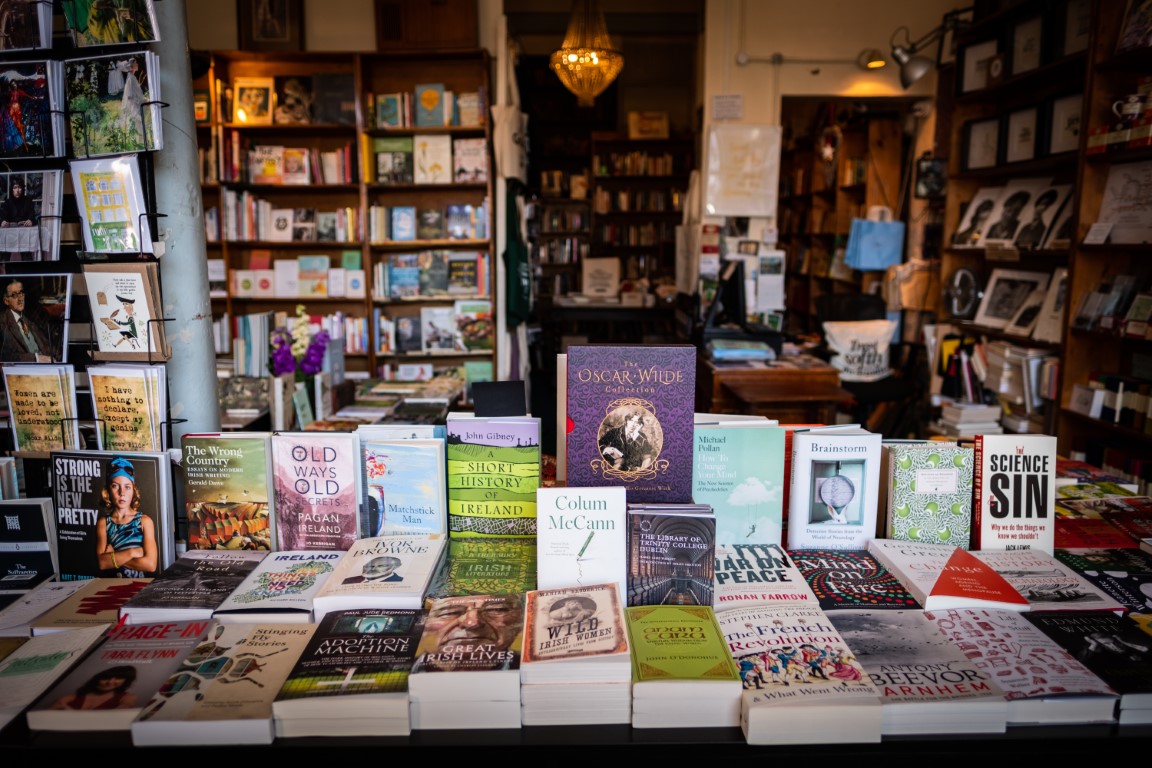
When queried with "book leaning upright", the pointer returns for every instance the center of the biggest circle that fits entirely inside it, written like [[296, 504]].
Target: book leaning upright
[[834, 488]]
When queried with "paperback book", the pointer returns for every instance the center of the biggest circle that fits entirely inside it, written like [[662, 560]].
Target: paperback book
[[382, 572], [1014, 484], [37, 663], [575, 634], [404, 482], [228, 490], [671, 554], [631, 414], [493, 472], [489, 565], [834, 488], [192, 587], [316, 488], [1046, 583], [17, 616], [852, 578], [280, 588], [96, 603], [27, 535], [352, 678], [943, 576], [751, 574], [739, 470], [203, 700], [581, 537], [929, 495]]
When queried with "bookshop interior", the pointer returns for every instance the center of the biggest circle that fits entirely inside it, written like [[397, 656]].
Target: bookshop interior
[[717, 377]]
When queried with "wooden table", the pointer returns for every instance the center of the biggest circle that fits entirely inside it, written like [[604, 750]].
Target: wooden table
[[797, 389]]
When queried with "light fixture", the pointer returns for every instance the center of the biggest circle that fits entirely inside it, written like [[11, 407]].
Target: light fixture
[[587, 62], [906, 53], [871, 58]]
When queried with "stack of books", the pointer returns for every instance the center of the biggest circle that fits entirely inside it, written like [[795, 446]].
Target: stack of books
[[960, 419], [577, 666]]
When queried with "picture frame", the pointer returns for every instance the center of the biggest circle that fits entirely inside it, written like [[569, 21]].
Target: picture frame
[[1136, 30], [1020, 134], [1027, 45], [1006, 292], [976, 58], [270, 25], [202, 106], [981, 143], [1077, 26], [975, 218], [1064, 123], [931, 178], [254, 99]]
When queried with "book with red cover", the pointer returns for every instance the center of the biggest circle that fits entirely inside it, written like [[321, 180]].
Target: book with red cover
[[1014, 492], [944, 576], [1091, 533]]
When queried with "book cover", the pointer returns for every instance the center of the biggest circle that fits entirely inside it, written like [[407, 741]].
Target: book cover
[[1088, 533], [113, 103], [750, 574], [581, 537], [294, 97], [581, 626], [680, 651], [470, 160], [739, 471], [129, 402], [1044, 683], [312, 276], [192, 587], [36, 87], [925, 683], [356, 665], [125, 302], [403, 275], [671, 554], [848, 578], [1047, 583], [228, 490], [493, 472], [96, 603], [1132, 589], [430, 226], [433, 266], [382, 572], [433, 159], [17, 615], [41, 407], [389, 111], [467, 273], [630, 410], [27, 554], [1116, 648], [403, 224], [404, 483], [1125, 559], [487, 566], [475, 326], [429, 106], [266, 164], [279, 588], [114, 513], [395, 162], [203, 702], [1014, 482], [929, 495], [834, 488], [38, 662], [945, 576], [316, 485], [139, 657]]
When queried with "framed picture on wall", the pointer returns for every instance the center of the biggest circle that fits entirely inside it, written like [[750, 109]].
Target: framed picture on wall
[[1020, 135], [1064, 124], [976, 58], [270, 25], [1005, 294], [1077, 26], [1027, 43], [981, 143]]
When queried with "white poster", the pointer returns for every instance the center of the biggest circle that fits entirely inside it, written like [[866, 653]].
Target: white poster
[[743, 170]]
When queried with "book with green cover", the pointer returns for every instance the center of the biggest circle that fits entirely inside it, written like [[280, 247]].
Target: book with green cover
[[930, 493], [493, 473], [679, 650], [739, 470], [228, 489], [486, 566]]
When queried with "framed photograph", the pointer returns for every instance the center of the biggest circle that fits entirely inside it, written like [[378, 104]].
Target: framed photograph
[[1005, 294], [981, 143], [270, 25], [253, 100], [931, 178], [976, 58], [1038, 215], [1136, 30], [975, 218], [1077, 26], [1027, 42], [1024, 321], [1064, 124], [1020, 134]]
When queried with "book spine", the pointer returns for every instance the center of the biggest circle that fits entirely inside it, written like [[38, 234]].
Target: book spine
[[977, 491]]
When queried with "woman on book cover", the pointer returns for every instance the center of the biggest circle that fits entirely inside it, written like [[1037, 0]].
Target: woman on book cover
[[107, 689], [125, 536]]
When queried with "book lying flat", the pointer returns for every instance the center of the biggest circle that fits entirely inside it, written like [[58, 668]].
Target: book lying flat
[[942, 576]]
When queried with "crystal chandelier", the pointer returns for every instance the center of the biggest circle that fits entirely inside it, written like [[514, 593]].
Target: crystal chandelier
[[587, 62]]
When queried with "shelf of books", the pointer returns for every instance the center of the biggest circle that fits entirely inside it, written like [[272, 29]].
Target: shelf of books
[[1106, 372]]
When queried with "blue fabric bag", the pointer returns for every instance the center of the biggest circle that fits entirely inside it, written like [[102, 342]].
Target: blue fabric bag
[[875, 243]]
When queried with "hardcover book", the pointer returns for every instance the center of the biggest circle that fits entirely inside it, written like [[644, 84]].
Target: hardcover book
[[1047, 583], [316, 486], [114, 513], [671, 554], [796, 664], [432, 155], [581, 537], [926, 685], [1014, 485], [192, 587], [279, 588], [751, 574], [113, 103], [228, 490], [38, 662], [404, 481], [929, 495], [382, 572], [203, 700], [470, 160], [488, 565], [352, 679], [394, 160], [96, 603], [493, 472], [631, 414], [739, 471], [945, 576], [27, 538], [85, 700], [852, 578], [834, 488], [575, 634], [1045, 684]]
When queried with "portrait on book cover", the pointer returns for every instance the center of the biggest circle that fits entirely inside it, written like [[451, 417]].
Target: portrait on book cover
[[630, 439], [34, 322]]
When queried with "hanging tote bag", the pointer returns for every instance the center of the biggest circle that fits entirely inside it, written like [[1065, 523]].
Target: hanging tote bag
[[510, 125], [875, 243]]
